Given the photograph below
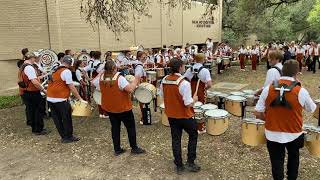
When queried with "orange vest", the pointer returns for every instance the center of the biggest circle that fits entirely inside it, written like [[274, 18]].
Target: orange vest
[[23, 77], [282, 119], [113, 99], [173, 100], [201, 90], [57, 88]]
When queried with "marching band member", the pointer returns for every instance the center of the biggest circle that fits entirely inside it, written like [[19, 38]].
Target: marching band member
[[275, 71], [140, 73], [162, 59], [82, 78], [242, 57], [180, 112], [178, 54], [286, 54], [116, 100], [266, 54], [30, 87], [209, 43], [300, 53], [258, 49], [209, 55], [170, 54], [292, 50], [198, 73], [150, 58], [59, 89], [254, 58], [314, 55], [283, 115], [108, 56], [24, 51]]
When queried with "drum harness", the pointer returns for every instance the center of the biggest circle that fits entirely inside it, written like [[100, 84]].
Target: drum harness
[[283, 88]]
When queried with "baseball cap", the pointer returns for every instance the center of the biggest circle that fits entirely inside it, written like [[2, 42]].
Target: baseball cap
[[68, 60]]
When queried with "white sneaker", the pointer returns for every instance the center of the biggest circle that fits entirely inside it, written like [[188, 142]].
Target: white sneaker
[[202, 132], [103, 116], [141, 122]]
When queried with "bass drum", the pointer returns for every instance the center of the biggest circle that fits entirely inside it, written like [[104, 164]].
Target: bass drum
[[97, 96], [145, 93]]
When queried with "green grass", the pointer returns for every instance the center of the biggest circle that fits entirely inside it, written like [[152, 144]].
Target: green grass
[[10, 101]]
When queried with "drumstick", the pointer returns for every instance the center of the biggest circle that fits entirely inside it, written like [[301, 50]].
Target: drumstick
[[197, 87]]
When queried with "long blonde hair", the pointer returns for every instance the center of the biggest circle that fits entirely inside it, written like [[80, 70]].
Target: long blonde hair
[[109, 68]]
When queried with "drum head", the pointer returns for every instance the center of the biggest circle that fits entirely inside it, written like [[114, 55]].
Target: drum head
[[236, 98], [197, 104], [130, 78], [143, 95], [307, 126], [97, 97], [198, 111], [249, 91], [151, 72], [207, 107], [236, 93], [317, 101], [217, 113], [222, 95], [253, 121], [84, 57]]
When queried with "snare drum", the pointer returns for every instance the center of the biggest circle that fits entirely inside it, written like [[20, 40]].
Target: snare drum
[[235, 105], [253, 132], [212, 97], [164, 117], [81, 108], [251, 100], [201, 125], [208, 107], [217, 121], [226, 60], [151, 76], [97, 96], [197, 105], [312, 140], [145, 93], [207, 66], [160, 72], [316, 112]]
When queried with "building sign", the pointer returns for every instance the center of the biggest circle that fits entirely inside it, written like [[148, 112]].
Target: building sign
[[203, 23]]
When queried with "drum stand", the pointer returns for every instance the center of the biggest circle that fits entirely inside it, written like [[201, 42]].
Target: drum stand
[[146, 114]]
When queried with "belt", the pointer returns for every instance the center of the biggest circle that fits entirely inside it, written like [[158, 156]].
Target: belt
[[31, 92]]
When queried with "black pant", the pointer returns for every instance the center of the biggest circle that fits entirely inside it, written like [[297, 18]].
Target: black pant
[[32, 100], [314, 63], [43, 107], [128, 120], [277, 156], [61, 115], [190, 126], [309, 63]]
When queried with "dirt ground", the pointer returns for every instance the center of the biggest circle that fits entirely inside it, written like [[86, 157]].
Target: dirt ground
[[25, 156]]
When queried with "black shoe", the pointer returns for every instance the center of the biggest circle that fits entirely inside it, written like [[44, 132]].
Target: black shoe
[[192, 167], [180, 169], [137, 151], [43, 132], [70, 140], [117, 153]]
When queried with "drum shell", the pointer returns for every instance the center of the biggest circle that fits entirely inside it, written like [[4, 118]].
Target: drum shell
[[251, 100], [217, 126], [160, 72], [226, 61], [164, 118], [253, 134], [151, 76], [313, 143], [81, 109], [234, 107]]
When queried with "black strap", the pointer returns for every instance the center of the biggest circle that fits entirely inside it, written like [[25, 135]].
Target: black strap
[[196, 72], [277, 68], [281, 101]]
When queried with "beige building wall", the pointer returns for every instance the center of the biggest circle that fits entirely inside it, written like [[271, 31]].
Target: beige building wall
[[22, 24], [25, 24]]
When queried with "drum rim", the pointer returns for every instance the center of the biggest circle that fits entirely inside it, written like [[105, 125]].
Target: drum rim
[[238, 100], [252, 121], [220, 117], [213, 105]]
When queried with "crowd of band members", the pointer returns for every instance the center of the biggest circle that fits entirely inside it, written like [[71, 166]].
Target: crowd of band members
[[107, 76]]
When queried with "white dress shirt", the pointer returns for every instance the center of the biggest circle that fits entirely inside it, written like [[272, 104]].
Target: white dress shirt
[[66, 76], [204, 74], [139, 71], [242, 51], [316, 51], [273, 75], [184, 91], [30, 72], [305, 101]]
